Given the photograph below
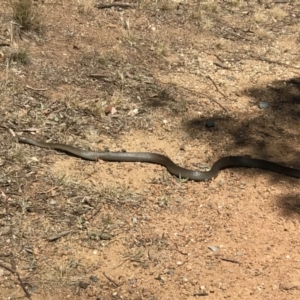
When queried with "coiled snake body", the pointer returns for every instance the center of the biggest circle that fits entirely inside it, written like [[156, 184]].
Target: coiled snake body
[[222, 163]]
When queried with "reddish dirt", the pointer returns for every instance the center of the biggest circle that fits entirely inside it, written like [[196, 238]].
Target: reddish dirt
[[74, 229]]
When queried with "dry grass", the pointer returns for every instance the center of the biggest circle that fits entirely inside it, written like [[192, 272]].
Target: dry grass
[[127, 32], [166, 4], [160, 48], [262, 33], [260, 17], [16, 55], [209, 6], [277, 13], [26, 14], [236, 3], [85, 7], [201, 14]]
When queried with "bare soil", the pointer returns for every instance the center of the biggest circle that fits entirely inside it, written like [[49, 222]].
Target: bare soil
[[163, 71]]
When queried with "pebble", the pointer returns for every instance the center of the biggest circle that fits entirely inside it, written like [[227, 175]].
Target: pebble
[[263, 105], [189, 268], [93, 278], [213, 248], [83, 284]]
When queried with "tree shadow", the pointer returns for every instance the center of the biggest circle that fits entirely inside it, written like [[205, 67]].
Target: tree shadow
[[271, 133], [290, 205]]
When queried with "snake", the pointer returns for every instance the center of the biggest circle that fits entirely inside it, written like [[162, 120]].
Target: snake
[[174, 169]]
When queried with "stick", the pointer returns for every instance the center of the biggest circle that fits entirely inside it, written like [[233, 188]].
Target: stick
[[111, 280], [18, 276], [115, 4]]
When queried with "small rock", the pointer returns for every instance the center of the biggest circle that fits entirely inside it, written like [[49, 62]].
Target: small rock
[[263, 105], [93, 278], [83, 285], [109, 109], [189, 268], [213, 248]]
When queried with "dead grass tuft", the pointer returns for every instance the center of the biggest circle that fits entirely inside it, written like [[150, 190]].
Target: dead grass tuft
[[17, 55], [209, 6], [262, 33], [86, 6], [161, 48], [260, 17], [277, 13], [26, 14], [200, 14], [236, 3], [165, 5]]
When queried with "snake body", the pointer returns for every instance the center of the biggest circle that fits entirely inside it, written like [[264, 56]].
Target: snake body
[[149, 157]]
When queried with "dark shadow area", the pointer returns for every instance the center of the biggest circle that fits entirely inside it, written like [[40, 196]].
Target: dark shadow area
[[158, 96], [290, 205], [271, 133], [276, 124]]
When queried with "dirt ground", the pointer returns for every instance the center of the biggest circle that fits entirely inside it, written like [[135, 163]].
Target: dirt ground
[[194, 80]]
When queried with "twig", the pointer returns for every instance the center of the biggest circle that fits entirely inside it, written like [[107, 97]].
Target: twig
[[22, 285], [179, 251], [221, 65], [197, 93], [207, 76], [115, 4], [97, 210], [270, 61], [33, 129], [13, 271], [58, 236], [230, 260], [239, 36], [7, 268], [111, 280], [36, 89], [201, 294], [287, 287], [100, 77]]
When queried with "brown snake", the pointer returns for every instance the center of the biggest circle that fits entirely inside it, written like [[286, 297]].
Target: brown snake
[[222, 163]]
